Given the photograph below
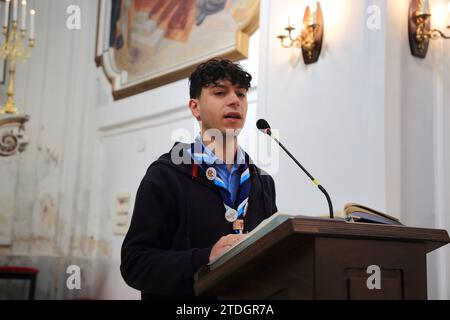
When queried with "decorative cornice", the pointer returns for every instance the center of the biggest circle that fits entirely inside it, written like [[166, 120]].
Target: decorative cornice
[[12, 134]]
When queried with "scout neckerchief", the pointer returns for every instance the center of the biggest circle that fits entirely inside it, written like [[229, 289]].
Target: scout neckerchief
[[234, 212]]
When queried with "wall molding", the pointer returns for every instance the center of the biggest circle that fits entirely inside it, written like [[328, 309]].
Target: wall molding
[[137, 122]]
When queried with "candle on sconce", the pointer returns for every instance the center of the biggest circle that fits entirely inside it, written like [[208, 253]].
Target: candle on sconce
[[32, 15], [424, 6], [23, 18], [15, 7], [313, 8], [5, 21]]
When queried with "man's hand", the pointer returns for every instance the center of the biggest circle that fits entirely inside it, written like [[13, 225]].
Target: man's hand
[[224, 243]]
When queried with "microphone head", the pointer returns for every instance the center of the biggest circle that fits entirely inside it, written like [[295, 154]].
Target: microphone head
[[264, 126]]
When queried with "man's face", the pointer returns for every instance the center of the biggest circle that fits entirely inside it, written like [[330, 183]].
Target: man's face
[[221, 106]]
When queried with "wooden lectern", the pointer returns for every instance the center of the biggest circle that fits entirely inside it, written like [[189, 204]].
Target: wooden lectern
[[311, 258]]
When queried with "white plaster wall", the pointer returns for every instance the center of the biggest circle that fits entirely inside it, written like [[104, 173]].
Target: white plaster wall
[[51, 216], [330, 114], [369, 120], [424, 145]]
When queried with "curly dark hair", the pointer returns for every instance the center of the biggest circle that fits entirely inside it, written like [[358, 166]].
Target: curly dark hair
[[213, 70]]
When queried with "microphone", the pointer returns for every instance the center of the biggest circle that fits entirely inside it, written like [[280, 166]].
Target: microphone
[[264, 126]]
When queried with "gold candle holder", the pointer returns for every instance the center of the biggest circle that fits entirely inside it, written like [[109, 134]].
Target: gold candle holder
[[419, 28], [14, 49], [310, 38]]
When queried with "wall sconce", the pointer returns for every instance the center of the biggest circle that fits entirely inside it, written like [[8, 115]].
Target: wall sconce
[[419, 28], [311, 36]]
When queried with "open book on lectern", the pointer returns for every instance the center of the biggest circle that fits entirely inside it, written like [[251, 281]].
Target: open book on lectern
[[354, 213], [261, 230]]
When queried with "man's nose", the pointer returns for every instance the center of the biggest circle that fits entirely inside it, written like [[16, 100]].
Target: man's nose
[[233, 99]]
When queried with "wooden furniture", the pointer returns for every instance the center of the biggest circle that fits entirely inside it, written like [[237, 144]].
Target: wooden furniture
[[13, 272], [311, 258]]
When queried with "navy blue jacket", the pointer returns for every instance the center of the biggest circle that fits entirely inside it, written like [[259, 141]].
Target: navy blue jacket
[[178, 216]]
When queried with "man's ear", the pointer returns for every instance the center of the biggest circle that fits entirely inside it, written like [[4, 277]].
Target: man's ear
[[194, 105]]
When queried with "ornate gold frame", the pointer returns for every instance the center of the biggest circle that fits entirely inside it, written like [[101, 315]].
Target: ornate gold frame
[[241, 52]]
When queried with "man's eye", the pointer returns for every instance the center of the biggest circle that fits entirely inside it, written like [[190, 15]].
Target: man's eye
[[241, 95], [218, 93]]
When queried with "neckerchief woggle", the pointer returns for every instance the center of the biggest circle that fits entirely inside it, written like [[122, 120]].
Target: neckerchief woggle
[[241, 204]]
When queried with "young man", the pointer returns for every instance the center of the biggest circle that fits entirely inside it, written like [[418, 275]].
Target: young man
[[198, 200]]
